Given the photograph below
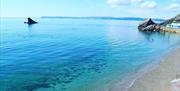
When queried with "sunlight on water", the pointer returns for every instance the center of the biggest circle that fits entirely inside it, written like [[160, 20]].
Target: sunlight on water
[[75, 55]]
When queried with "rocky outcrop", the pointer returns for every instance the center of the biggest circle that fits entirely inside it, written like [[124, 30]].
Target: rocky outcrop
[[30, 21], [175, 19], [148, 25]]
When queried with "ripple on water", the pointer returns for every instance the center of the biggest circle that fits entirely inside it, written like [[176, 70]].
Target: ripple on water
[[71, 54]]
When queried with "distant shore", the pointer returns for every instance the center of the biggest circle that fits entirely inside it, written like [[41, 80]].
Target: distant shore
[[102, 18], [159, 78]]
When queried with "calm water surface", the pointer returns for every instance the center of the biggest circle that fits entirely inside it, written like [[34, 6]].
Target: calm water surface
[[75, 55]]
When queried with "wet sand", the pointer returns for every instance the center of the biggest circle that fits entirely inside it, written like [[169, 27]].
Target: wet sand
[[159, 79]]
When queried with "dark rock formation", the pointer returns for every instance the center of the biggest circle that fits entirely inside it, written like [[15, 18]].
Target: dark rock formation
[[148, 25], [172, 20], [149, 28], [30, 21]]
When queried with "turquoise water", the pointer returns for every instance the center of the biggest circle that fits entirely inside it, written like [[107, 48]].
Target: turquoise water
[[75, 54]]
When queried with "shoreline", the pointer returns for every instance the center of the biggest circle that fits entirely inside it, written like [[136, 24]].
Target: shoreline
[[160, 77], [171, 30]]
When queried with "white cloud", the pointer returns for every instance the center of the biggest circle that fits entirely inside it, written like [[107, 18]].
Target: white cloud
[[174, 6], [114, 3], [149, 4], [175, 0], [136, 1], [123, 2], [145, 8]]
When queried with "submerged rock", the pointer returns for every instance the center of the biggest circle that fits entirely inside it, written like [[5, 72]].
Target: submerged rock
[[30, 21]]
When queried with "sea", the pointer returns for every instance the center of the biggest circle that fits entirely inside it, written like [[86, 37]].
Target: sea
[[76, 54]]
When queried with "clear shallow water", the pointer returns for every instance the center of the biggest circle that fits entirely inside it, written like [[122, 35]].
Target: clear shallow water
[[75, 55]]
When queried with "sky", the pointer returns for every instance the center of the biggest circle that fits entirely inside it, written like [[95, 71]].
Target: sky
[[113, 8]]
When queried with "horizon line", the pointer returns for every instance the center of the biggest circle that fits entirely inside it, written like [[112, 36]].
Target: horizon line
[[79, 17]]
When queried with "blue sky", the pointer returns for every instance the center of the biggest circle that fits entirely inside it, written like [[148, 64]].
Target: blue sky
[[115, 8]]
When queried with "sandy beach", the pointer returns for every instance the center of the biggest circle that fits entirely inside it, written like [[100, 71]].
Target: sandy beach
[[159, 79]]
